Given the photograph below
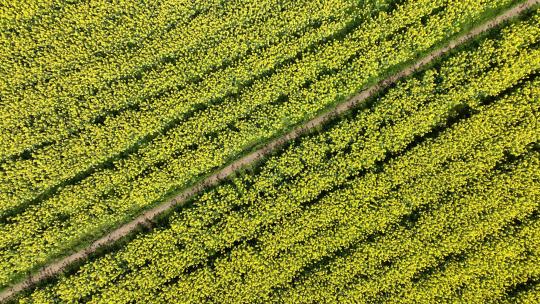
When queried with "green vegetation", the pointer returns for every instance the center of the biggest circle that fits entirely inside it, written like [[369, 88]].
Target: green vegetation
[[428, 193], [96, 128]]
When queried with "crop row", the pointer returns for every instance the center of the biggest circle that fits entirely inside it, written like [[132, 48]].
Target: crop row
[[420, 146]]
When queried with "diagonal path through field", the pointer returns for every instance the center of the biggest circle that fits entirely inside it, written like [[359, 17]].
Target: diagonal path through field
[[122, 231]]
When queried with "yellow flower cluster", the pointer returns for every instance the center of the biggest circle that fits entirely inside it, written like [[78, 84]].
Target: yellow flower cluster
[[425, 190], [182, 117]]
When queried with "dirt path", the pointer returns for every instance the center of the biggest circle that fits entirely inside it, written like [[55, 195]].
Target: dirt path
[[147, 216]]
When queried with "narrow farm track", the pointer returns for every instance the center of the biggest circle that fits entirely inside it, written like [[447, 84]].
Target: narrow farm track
[[58, 266]]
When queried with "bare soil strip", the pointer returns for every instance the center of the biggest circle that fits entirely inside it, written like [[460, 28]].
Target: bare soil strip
[[143, 220]]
